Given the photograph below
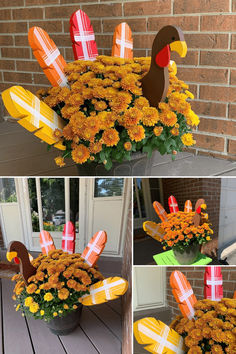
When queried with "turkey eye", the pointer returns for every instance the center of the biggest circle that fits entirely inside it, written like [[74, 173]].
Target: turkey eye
[[173, 38]]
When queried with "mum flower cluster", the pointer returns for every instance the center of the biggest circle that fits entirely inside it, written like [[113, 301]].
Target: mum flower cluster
[[107, 118], [180, 230], [60, 280], [213, 328]]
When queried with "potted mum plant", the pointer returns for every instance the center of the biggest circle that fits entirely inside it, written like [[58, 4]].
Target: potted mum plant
[[111, 112], [182, 231], [54, 287]]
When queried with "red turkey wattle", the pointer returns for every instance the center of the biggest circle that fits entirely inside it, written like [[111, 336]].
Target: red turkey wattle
[[163, 57], [16, 260]]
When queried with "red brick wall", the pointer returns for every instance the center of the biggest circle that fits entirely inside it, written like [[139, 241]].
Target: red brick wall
[[195, 276], [127, 298], [193, 189], [209, 66]]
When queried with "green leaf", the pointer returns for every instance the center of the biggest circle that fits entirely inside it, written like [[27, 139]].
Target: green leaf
[[108, 165]]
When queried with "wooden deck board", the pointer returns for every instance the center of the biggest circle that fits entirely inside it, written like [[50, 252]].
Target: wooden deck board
[[78, 339], [43, 340], [102, 338], [99, 331], [23, 154], [115, 305], [16, 336], [109, 317]]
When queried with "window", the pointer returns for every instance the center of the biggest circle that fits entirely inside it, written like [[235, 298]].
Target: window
[[53, 201], [7, 190], [108, 187], [139, 210]]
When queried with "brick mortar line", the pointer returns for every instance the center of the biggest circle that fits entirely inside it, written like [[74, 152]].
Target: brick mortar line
[[215, 135]]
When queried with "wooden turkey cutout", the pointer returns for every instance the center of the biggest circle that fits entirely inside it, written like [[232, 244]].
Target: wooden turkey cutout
[[82, 37], [17, 249], [48, 56], [197, 216], [122, 42], [156, 82], [33, 114]]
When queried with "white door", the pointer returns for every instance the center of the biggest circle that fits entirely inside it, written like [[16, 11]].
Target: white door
[[227, 225], [10, 215], [149, 288], [105, 207]]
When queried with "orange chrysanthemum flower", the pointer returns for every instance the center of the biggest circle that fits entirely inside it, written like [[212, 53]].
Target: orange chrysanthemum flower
[[59, 160], [128, 146], [80, 154], [110, 137], [136, 133], [168, 118], [150, 116], [158, 130], [68, 132], [132, 117], [95, 148]]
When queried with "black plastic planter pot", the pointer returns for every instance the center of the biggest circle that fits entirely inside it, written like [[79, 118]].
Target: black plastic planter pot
[[139, 165], [188, 255], [61, 326]]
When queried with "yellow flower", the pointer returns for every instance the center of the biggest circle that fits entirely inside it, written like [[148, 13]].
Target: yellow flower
[[59, 161], [55, 314], [132, 117], [128, 146], [168, 118], [48, 297], [187, 139], [75, 307], [65, 306], [17, 307], [28, 301], [34, 307], [42, 312], [208, 238], [189, 94]]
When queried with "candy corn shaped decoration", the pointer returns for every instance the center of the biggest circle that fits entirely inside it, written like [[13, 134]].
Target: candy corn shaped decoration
[[183, 293], [122, 42], [94, 248], [46, 242], [158, 337], [48, 56], [105, 290], [188, 206], [213, 283], [33, 114], [154, 230], [160, 211], [82, 36], [68, 238], [173, 205]]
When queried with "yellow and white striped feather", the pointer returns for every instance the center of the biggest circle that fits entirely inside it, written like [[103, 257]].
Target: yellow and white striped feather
[[105, 290], [154, 230]]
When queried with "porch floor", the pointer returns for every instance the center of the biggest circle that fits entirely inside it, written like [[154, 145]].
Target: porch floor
[[99, 330], [22, 154]]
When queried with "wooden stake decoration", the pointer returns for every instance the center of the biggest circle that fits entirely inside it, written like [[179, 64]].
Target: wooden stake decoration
[[213, 283], [122, 42], [105, 290], [82, 37], [154, 230], [48, 56], [183, 293], [158, 337], [156, 82], [33, 114], [94, 248], [17, 249], [188, 206], [68, 238], [160, 211], [173, 205], [46, 242]]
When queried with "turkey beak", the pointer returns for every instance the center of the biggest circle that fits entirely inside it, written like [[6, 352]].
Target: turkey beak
[[180, 47], [11, 255]]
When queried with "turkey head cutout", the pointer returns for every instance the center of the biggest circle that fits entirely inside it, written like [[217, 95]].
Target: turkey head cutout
[[16, 249], [156, 82]]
